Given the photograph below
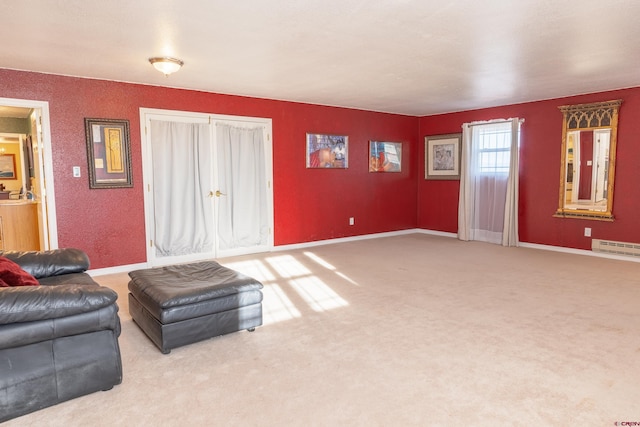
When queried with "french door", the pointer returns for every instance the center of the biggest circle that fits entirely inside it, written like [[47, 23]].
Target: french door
[[208, 187]]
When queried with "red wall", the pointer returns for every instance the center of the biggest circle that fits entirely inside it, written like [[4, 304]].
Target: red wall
[[540, 150], [315, 204], [308, 204]]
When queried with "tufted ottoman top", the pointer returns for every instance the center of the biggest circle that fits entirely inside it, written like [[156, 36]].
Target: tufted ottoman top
[[184, 284]]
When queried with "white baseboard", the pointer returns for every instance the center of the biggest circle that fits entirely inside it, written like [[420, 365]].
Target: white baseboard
[[345, 239], [131, 267], [577, 251], [585, 252], [436, 233]]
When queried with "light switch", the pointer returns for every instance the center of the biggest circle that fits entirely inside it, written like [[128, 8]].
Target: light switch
[[76, 171]]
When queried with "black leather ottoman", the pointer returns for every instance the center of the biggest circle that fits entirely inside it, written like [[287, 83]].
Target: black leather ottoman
[[182, 304]]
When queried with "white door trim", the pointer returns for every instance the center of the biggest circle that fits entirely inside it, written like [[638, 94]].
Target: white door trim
[[45, 153]]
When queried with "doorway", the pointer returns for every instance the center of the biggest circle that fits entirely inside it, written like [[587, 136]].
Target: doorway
[[208, 190], [32, 121]]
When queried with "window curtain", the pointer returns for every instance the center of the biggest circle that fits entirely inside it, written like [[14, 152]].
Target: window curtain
[[242, 209], [488, 201], [182, 181]]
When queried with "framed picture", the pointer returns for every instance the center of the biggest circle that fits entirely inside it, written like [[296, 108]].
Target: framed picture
[[327, 151], [385, 156], [108, 153], [8, 166], [442, 156]]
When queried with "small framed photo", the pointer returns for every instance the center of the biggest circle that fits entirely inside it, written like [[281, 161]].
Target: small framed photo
[[108, 153], [385, 156], [442, 156], [8, 166], [327, 151]]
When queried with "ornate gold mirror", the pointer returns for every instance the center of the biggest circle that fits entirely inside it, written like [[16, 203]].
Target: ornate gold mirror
[[587, 171]]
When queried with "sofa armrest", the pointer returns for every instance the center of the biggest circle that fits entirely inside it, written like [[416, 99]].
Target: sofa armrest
[[30, 303], [50, 263]]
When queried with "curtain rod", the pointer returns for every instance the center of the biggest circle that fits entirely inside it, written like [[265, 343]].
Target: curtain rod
[[490, 122]]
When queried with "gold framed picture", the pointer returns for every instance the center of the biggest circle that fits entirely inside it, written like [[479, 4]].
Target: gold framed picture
[[108, 153]]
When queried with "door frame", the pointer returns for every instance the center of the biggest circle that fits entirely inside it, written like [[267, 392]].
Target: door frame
[[48, 229], [147, 114]]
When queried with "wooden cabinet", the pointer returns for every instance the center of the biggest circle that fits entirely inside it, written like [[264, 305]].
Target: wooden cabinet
[[19, 226]]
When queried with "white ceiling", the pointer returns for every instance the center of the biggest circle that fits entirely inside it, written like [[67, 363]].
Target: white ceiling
[[415, 57]]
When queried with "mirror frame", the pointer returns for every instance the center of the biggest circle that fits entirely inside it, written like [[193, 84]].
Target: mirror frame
[[589, 117]]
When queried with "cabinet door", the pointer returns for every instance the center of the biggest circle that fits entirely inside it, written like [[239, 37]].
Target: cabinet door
[[19, 228]]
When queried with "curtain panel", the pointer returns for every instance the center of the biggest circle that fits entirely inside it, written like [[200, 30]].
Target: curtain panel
[[182, 181], [488, 200], [242, 210]]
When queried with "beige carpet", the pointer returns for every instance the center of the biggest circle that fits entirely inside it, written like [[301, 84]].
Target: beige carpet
[[408, 330]]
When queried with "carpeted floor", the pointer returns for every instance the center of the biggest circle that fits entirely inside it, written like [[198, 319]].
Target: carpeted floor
[[408, 330]]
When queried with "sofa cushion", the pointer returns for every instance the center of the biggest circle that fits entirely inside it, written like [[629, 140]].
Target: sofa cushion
[[25, 333], [68, 279], [28, 304], [12, 275], [54, 262]]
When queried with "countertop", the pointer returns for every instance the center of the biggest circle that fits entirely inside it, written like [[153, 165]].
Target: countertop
[[17, 202]]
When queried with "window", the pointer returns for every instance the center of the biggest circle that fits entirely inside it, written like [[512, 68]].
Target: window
[[494, 145]]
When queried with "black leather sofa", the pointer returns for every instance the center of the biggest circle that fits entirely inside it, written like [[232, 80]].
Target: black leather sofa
[[58, 340]]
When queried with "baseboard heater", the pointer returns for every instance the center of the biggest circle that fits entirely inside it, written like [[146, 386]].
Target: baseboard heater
[[616, 248]]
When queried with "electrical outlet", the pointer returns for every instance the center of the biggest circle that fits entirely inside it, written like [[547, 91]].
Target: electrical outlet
[[352, 221], [76, 171], [587, 232]]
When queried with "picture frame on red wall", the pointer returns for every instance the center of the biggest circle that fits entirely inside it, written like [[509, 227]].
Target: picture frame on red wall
[[108, 153], [442, 156], [385, 156], [327, 151]]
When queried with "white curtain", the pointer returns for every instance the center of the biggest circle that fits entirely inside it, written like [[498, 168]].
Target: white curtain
[[242, 209], [182, 181], [488, 202]]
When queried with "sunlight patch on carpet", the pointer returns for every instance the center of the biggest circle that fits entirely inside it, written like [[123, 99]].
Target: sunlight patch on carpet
[[328, 266], [319, 260], [287, 266], [317, 294], [276, 306], [253, 268]]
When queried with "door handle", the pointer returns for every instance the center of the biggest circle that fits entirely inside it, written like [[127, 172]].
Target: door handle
[[219, 193]]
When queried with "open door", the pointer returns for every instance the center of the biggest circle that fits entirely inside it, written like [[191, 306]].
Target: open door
[[38, 163]]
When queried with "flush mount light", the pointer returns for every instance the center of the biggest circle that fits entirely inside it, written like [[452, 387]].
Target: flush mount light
[[166, 65]]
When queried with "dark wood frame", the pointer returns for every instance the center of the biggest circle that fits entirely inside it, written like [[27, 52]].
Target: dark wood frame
[[108, 153]]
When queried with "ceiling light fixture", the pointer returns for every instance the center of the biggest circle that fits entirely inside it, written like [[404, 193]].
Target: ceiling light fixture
[[166, 65]]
